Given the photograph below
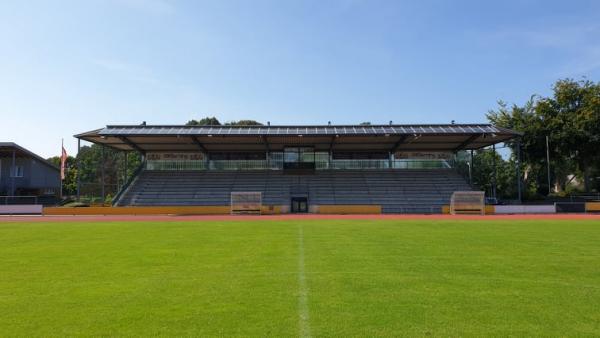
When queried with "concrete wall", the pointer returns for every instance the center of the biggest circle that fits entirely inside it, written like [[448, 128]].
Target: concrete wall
[[17, 209], [525, 209]]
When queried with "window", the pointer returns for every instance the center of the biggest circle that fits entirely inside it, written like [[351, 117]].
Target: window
[[16, 171]]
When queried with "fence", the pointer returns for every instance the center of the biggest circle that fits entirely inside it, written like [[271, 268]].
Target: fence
[[13, 200]]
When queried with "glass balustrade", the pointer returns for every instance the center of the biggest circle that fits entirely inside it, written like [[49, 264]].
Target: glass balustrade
[[238, 165], [421, 164], [276, 162], [359, 164]]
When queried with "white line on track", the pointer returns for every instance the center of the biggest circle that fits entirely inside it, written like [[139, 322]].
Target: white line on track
[[303, 317]]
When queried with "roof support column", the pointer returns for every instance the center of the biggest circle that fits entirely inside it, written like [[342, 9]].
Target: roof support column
[[13, 172], [267, 151], [548, 165], [126, 167], [330, 158], [102, 174], [467, 142], [471, 170], [518, 162], [495, 176], [78, 169], [398, 143], [199, 144], [123, 170], [132, 145]]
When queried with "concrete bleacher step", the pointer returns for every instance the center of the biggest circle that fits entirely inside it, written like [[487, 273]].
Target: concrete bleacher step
[[397, 191]]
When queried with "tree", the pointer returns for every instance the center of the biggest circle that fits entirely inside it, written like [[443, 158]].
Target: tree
[[243, 123], [207, 121], [213, 121], [575, 111], [90, 174], [70, 182], [571, 121]]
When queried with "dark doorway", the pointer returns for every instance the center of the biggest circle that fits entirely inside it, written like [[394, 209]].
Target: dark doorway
[[299, 205]]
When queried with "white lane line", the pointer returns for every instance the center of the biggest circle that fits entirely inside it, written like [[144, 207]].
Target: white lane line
[[303, 317]]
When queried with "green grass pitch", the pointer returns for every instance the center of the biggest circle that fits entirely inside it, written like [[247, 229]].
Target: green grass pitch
[[301, 278]]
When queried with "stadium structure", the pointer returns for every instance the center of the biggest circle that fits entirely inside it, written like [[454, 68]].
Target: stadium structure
[[297, 168]]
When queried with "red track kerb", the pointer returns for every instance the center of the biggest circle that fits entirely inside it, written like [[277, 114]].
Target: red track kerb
[[200, 218]]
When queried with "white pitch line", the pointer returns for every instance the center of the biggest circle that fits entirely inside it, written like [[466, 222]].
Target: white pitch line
[[303, 317]]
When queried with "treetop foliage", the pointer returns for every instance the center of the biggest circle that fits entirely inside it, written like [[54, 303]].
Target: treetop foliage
[[570, 118], [213, 121]]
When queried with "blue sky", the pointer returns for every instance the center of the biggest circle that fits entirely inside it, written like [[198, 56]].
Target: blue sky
[[72, 66]]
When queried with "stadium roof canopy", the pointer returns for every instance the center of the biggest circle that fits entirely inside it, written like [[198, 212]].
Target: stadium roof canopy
[[438, 137]]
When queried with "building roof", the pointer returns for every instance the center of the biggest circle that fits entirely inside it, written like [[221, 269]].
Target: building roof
[[6, 149], [438, 137]]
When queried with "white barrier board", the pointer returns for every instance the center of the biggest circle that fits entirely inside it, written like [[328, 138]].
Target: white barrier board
[[525, 209], [21, 209]]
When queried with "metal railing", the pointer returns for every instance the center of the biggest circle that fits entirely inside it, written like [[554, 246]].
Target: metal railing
[[277, 163], [238, 165], [11, 200], [125, 186], [359, 164], [421, 164], [589, 196]]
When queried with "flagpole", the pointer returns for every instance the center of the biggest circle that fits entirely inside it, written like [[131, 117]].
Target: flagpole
[[62, 146]]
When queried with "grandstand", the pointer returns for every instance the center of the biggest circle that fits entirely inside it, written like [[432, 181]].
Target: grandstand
[[398, 168]]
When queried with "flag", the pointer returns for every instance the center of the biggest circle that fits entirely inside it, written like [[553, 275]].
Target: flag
[[63, 163]]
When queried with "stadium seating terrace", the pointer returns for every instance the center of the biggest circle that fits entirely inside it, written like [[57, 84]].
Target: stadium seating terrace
[[399, 168]]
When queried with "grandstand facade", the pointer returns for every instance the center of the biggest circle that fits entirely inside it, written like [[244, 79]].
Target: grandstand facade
[[351, 168]]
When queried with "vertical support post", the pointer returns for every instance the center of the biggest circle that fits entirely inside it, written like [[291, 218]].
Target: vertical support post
[[548, 164], [121, 172], [471, 170], [102, 174], [13, 172], [518, 161], [495, 174], [62, 146], [126, 167], [268, 160], [390, 160], [78, 170]]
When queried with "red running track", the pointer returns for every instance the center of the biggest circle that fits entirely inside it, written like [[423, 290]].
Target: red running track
[[198, 218]]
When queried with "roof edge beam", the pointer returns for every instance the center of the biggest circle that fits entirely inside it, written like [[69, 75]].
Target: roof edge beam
[[398, 143], [467, 142], [199, 144], [131, 144], [266, 142], [333, 138]]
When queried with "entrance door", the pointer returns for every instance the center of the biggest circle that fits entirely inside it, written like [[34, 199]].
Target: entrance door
[[299, 205]]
